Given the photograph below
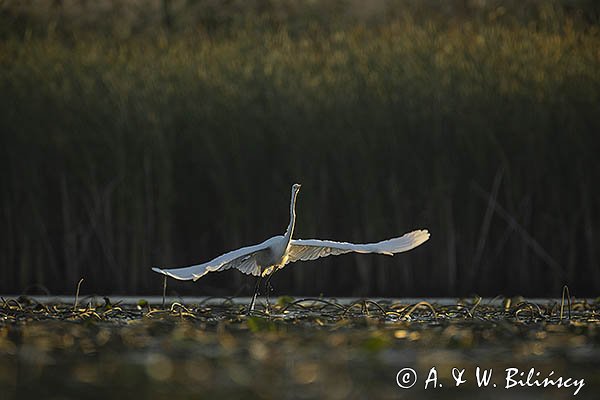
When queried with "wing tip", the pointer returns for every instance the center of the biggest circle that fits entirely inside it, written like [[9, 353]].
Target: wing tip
[[171, 274], [421, 236], [414, 239], [420, 232]]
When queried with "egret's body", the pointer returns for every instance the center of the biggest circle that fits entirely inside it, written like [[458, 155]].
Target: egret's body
[[265, 258]]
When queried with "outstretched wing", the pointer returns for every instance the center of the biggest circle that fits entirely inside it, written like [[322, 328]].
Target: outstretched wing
[[244, 259], [303, 250]]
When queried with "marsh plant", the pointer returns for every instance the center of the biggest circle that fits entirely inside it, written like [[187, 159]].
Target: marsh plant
[[169, 134]]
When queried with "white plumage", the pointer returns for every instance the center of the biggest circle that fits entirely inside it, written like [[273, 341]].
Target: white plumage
[[265, 258]]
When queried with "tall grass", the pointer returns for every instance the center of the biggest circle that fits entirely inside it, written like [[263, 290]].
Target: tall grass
[[168, 147]]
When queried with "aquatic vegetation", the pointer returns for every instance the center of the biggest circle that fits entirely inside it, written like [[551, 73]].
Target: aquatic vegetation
[[305, 347], [117, 142]]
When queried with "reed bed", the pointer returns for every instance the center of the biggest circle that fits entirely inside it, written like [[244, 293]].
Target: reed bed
[[167, 143]]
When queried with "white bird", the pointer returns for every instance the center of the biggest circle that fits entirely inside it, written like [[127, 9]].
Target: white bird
[[273, 254]]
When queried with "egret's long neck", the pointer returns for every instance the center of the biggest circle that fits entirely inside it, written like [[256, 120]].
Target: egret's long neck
[[290, 228]]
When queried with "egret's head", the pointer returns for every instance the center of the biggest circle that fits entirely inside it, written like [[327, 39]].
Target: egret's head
[[296, 187]]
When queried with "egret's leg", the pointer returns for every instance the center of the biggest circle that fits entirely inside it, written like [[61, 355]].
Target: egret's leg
[[164, 291], [256, 288], [269, 288]]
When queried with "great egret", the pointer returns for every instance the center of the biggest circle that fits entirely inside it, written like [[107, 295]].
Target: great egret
[[265, 258]]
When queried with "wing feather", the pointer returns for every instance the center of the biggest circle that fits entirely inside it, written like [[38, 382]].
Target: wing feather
[[244, 259], [311, 249]]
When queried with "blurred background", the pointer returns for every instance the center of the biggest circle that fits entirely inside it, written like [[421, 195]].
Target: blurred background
[[146, 132]]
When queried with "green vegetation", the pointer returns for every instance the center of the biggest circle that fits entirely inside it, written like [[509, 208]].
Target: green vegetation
[[170, 137], [308, 349]]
